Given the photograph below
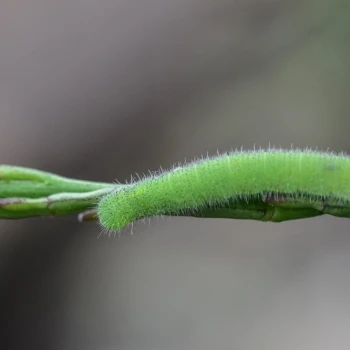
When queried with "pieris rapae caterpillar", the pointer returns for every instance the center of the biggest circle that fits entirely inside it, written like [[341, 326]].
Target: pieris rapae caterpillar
[[215, 184]]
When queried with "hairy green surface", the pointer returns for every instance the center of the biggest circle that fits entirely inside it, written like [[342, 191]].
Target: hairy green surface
[[266, 185]]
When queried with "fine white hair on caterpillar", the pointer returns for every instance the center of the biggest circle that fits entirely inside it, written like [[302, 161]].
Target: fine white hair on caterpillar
[[272, 175]]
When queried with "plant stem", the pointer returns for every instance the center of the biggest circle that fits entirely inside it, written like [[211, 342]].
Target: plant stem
[[26, 192], [30, 183], [56, 204]]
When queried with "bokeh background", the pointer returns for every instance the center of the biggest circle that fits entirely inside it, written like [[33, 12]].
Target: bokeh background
[[103, 89]]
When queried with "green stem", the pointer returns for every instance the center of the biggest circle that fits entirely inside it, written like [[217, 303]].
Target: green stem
[[56, 204], [26, 192], [30, 183]]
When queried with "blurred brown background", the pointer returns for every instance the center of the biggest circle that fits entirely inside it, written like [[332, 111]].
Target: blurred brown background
[[103, 89]]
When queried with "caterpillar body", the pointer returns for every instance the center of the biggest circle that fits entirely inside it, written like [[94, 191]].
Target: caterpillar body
[[216, 182]]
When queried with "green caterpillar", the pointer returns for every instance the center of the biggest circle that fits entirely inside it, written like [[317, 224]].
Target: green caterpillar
[[268, 185]]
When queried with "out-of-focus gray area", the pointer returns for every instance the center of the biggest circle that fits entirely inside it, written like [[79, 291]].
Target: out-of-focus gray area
[[103, 89]]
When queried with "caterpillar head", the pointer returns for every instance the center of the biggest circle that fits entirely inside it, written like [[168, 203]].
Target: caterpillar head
[[116, 210]]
